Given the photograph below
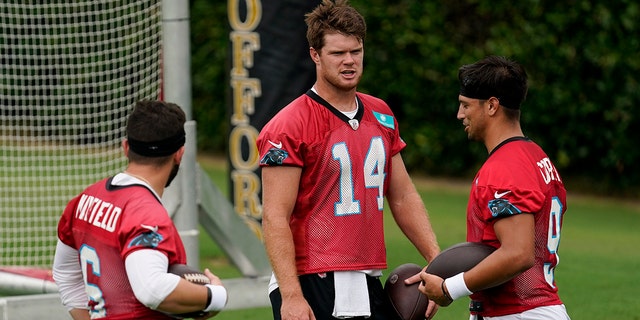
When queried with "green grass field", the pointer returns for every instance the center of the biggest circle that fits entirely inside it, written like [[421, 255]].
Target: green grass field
[[597, 276]]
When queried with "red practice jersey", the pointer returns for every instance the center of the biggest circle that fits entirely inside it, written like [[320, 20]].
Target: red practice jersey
[[105, 223], [337, 220], [519, 178]]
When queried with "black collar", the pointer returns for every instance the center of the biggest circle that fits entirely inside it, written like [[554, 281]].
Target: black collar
[[335, 111], [507, 141]]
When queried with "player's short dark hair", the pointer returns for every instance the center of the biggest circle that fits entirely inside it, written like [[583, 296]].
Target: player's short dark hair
[[494, 76], [334, 17], [155, 121]]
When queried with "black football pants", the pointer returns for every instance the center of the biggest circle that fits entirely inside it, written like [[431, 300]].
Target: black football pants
[[320, 294]]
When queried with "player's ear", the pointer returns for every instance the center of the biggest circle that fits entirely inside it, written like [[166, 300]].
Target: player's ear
[[177, 157], [315, 55], [493, 104], [125, 147]]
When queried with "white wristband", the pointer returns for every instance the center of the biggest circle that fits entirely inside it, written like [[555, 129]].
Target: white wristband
[[218, 298], [456, 286]]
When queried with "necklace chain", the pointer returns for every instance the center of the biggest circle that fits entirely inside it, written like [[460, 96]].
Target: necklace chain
[[137, 177]]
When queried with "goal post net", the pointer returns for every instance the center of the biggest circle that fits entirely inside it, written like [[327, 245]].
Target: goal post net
[[70, 72]]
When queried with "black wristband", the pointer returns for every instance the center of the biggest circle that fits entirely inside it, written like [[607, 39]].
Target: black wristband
[[444, 292], [208, 298]]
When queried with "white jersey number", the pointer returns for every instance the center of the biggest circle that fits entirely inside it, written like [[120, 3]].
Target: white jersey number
[[88, 255], [553, 238], [374, 175]]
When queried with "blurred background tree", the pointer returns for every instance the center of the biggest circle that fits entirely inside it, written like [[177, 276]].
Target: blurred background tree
[[582, 57]]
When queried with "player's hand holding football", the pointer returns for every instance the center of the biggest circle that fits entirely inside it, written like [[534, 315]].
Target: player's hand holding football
[[215, 281], [433, 287], [432, 309]]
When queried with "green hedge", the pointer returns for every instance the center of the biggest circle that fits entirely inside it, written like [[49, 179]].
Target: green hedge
[[583, 60]]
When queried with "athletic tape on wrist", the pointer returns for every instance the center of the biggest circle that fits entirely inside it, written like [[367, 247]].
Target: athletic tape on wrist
[[217, 298], [456, 286]]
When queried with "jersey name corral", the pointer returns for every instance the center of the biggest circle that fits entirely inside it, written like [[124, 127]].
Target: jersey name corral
[[97, 212], [548, 171]]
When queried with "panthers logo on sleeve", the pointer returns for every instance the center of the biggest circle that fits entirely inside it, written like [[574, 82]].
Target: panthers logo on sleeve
[[149, 239], [274, 157], [502, 208]]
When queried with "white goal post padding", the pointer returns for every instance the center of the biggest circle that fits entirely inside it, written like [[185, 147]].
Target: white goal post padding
[[70, 72]]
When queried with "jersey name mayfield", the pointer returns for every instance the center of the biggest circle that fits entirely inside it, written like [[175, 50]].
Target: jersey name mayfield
[[106, 223], [98, 212]]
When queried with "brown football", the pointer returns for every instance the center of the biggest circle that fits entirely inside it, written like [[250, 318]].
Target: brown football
[[407, 301], [190, 274], [194, 276], [458, 258]]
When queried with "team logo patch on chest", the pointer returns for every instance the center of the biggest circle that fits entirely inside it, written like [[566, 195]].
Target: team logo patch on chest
[[385, 119]]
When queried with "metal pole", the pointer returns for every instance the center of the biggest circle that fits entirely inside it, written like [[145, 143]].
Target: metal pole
[[176, 53], [176, 58]]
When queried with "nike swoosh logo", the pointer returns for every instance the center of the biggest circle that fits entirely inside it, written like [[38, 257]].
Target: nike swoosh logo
[[500, 195], [277, 145], [154, 229]]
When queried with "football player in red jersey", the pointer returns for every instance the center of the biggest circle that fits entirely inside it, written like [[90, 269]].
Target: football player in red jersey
[[328, 160], [516, 204], [116, 240]]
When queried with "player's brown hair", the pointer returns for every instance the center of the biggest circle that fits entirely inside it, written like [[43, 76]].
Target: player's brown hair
[[154, 121], [494, 76], [334, 17]]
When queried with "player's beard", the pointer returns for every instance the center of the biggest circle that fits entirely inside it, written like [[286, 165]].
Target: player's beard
[[173, 174]]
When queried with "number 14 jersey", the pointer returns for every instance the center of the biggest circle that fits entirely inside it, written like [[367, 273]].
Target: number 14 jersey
[[337, 222]]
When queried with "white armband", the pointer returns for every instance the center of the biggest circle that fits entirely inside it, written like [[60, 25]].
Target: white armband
[[456, 286], [217, 298]]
